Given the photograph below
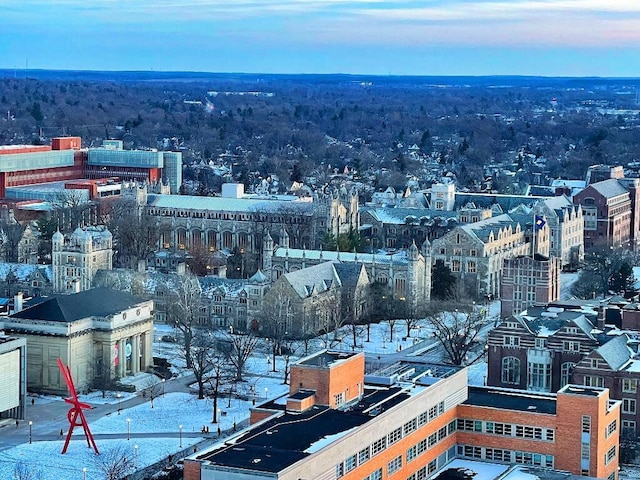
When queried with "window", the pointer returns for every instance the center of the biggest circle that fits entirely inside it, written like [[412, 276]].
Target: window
[[471, 267], [412, 453], [611, 428], [510, 370], [394, 465], [457, 252], [539, 376], [511, 341], [593, 381], [340, 470], [565, 373], [628, 405], [611, 454], [409, 427], [541, 343], [629, 385], [571, 346], [350, 463], [377, 475], [363, 455], [339, 399], [455, 265], [629, 427], [586, 424], [378, 446], [394, 436]]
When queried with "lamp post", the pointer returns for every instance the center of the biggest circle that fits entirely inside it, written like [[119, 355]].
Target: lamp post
[[30, 437], [128, 429], [84, 473], [163, 380], [119, 396], [135, 457], [180, 427], [266, 392]]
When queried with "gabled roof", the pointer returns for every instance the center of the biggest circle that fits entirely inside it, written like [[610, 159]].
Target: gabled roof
[[97, 302], [316, 279], [609, 188], [616, 352]]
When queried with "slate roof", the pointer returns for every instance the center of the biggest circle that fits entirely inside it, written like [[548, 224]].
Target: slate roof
[[397, 216], [616, 352], [397, 258], [317, 278], [483, 200], [544, 326], [97, 302], [609, 188], [483, 228], [349, 273]]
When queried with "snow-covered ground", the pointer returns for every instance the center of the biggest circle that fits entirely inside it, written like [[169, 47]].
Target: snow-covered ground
[[162, 422]]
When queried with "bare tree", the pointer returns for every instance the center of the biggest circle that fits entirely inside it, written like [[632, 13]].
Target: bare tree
[[276, 316], [218, 375], [203, 358], [136, 234], [71, 208], [10, 236], [114, 463], [289, 349], [103, 377], [456, 331], [152, 389], [184, 308], [22, 471], [238, 350]]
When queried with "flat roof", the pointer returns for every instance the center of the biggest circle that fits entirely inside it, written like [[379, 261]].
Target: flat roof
[[326, 358], [282, 441], [507, 399]]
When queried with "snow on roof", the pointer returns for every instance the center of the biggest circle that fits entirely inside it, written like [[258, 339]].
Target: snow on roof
[[330, 255], [609, 188], [23, 271], [258, 203], [327, 440]]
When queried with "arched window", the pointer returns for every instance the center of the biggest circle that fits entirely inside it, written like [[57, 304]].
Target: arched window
[[565, 373], [510, 370]]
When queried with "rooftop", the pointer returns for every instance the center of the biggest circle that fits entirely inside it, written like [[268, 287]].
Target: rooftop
[[507, 399], [288, 438], [325, 358]]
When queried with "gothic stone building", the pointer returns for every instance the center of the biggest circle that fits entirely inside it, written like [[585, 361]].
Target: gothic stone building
[[406, 273], [77, 258], [241, 221]]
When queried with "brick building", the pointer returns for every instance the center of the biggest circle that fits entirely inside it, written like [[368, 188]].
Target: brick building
[[607, 211], [538, 349], [409, 421], [528, 280]]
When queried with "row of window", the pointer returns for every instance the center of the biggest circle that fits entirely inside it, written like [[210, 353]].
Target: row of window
[[506, 429], [514, 341], [508, 456], [357, 459], [423, 445]]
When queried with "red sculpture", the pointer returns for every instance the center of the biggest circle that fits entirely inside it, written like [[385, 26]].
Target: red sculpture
[[75, 411]]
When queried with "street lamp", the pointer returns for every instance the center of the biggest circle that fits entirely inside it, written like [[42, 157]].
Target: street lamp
[[163, 380], [30, 437], [135, 457], [128, 429], [118, 395], [180, 427], [266, 392], [84, 473]]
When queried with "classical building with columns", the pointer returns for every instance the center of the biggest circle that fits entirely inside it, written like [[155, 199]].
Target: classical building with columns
[[102, 334]]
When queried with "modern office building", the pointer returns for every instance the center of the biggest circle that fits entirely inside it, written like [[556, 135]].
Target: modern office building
[[13, 381], [410, 421]]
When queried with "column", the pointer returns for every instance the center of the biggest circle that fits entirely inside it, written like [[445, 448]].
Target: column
[[135, 355], [122, 359]]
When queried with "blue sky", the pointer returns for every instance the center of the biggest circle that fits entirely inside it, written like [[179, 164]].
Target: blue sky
[[420, 37]]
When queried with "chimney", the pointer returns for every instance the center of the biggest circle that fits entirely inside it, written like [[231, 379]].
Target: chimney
[[75, 285], [17, 302]]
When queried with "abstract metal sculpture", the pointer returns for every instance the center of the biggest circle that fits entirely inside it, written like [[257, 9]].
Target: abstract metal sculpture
[[75, 411]]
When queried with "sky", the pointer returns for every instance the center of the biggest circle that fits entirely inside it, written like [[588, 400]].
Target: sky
[[378, 37]]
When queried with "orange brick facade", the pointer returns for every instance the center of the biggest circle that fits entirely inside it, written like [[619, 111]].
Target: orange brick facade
[[438, 422]]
